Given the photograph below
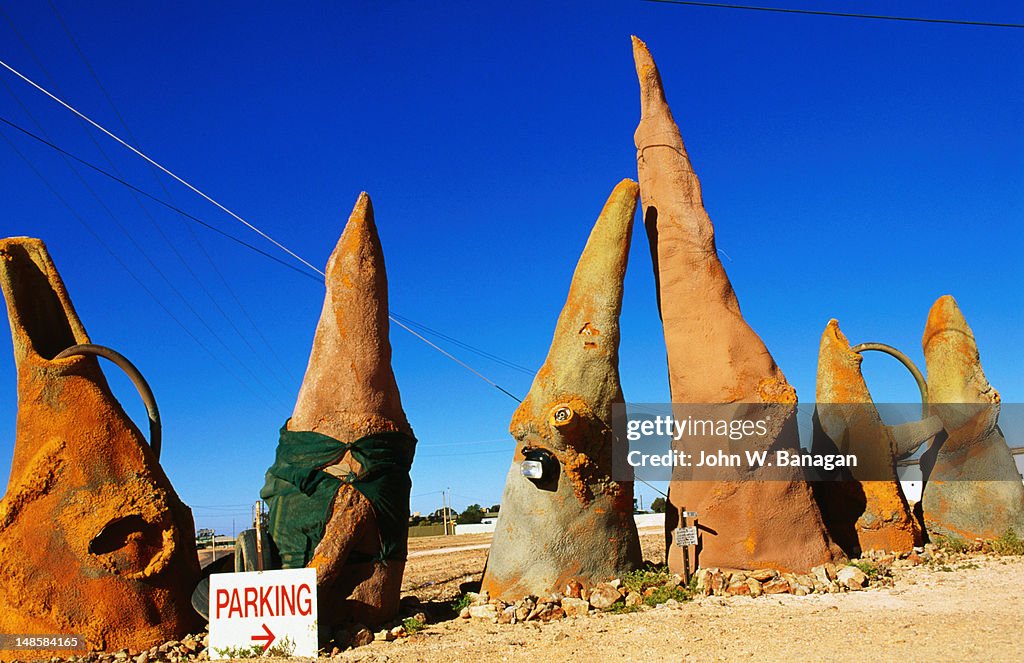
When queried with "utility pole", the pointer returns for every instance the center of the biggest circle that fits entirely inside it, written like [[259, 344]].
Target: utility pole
[[257, 521], [444, 511]]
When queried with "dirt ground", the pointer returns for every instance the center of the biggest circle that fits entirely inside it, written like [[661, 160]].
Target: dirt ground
[[972, 611]]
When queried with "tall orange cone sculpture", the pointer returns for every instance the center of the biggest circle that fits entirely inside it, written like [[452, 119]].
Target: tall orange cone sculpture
[[93, 539], [974, 489], [339, 489], [715, 357], [868, 511], [563, 519]]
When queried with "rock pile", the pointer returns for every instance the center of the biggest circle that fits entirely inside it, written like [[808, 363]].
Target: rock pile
[[189, 648]]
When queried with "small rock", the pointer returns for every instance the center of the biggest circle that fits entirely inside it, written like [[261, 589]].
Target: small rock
[[383, 635], [763, 575], [399, 632], [522, 612], [634, 599], [476, 598], [362, 637], [464, 613], [738, 588], [421, 617], [851, 577], [550, 613], [776, 586], [508, 615], [142, 658], [822, 574], [575, 607], [671, 603], [573, 589], [485, 611], [755, 587], [704, 582], [806, 581], [604, 596], [719, 581], [616, 583]]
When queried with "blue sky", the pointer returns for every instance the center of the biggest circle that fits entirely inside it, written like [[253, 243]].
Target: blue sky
[[853, 169]]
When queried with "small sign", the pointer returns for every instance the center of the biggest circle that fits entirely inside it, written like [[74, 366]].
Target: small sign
[[686, 536], [261, 613], [689, 514]]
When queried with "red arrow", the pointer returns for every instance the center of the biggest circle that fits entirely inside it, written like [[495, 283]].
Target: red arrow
[[269, 637]]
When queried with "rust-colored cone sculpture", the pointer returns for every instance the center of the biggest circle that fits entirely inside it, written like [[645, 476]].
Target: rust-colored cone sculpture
[[93, 539], [349, 404], [974, 489], [715, 357], [869, 511], [571, 521]]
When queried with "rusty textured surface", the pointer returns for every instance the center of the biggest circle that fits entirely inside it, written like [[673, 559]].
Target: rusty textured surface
[[349, 391], [867, 512], [974, 488], [93, 539], [715, 357], [578, 528]]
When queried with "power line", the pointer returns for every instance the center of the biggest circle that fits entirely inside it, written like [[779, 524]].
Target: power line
[[138, 248], [162, 168], [467, 346], [811, 12], [207, 225], [235, 216], [113, 254], [150, 196], [191, 232]]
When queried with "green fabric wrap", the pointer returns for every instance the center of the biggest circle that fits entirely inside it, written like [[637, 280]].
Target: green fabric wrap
[[301, 494]]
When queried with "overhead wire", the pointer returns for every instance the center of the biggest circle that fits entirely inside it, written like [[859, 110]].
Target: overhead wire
[[64, 152], [113, 254], [191, 232], [159, 201], [135, 243], [815, 12], [238, 218]]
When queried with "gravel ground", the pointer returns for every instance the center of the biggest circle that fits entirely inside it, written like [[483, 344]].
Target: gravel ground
[[971, 611], [963, 614]]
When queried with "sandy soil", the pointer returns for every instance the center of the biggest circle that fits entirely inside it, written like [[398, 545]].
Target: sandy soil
[[974, 611]]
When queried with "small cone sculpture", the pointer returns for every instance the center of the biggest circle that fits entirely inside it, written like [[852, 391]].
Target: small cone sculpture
[[93, 539], [974, 489], [572, 524], [349, 393], [869, 511], [715, 357]]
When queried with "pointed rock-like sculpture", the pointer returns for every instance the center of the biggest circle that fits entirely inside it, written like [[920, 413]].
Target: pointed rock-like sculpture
[[715, 357], [974, 489], [573, 522], [93, 539], [350, 436], [869, 510]]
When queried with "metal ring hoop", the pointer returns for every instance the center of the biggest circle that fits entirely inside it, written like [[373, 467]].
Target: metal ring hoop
[[155, 427], [922, 386]]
